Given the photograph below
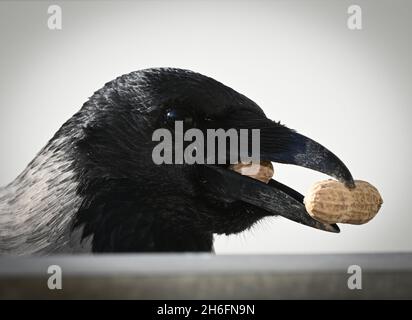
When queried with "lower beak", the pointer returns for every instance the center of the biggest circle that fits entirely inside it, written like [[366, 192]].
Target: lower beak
[[275, 197]]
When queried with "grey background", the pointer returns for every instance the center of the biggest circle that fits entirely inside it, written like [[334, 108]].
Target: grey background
[[349, 90]]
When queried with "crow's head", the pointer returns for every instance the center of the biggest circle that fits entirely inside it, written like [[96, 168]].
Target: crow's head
[[130, 203]]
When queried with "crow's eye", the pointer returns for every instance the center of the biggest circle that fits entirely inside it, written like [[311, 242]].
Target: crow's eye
[[173, 115]]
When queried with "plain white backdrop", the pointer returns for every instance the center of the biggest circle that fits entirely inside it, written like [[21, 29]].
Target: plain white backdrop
[[349, 90]]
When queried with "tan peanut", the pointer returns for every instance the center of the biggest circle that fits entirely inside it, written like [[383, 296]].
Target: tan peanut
[[262, 171], [331, 202]]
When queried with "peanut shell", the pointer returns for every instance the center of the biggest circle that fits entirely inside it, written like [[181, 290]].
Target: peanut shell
[[331, 201]]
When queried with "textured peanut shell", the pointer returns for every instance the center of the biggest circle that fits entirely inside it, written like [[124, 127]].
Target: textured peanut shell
[[262, 171], [331, 202]]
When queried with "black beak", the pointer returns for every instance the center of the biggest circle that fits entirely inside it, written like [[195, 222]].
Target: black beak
[[279, 144], [273, 197], [302, 151]]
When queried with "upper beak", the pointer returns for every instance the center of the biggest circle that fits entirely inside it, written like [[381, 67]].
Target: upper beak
[[278, 144], [305, 152]]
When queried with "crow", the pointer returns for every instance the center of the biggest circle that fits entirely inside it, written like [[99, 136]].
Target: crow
[[95, 188]]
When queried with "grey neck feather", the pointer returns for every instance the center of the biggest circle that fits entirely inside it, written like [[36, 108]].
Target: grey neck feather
[[38, 207]]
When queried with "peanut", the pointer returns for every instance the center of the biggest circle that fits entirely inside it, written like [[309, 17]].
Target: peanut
[[331, 202], [262, 171]]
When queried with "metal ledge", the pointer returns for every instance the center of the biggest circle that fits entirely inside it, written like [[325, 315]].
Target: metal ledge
[[205, 276]]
